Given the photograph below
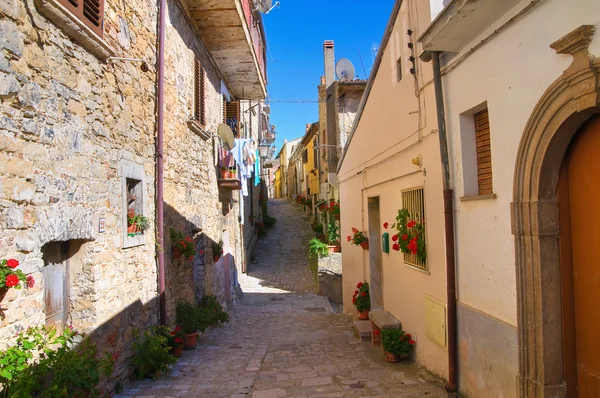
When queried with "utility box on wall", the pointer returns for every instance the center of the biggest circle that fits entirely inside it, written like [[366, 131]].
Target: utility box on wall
[[385, 242]]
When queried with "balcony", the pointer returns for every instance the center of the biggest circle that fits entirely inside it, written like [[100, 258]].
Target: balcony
[[234, 36]]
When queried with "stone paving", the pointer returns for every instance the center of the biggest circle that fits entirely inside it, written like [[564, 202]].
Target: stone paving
[[284, 341]]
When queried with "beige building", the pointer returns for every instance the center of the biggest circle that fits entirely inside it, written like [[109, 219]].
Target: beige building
[[521, 99], [78, 151], [284, 161], [392, 161]]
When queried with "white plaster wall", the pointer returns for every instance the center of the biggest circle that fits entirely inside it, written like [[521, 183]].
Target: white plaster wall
[[511, 72]]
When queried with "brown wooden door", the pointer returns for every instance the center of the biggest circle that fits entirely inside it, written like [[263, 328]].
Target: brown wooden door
[[579, 198], [56, 284]]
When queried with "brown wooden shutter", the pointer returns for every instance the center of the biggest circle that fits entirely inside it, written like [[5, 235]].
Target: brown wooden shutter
[[199, 93], [484, 152], [90, 12], [224, 109]]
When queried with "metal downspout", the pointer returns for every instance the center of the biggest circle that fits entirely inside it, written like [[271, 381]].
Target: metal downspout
[[160, 253], [452, 385]]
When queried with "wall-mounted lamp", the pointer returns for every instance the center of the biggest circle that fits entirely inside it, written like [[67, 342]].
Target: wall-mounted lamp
[[418, 161]]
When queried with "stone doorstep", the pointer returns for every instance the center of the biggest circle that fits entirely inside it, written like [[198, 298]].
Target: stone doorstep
[[362, 329]]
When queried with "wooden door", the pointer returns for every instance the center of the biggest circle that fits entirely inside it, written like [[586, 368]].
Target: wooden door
[[579, 199], [56, 284]]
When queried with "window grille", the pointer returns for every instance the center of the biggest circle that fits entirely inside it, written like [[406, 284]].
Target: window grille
[[414, 201]]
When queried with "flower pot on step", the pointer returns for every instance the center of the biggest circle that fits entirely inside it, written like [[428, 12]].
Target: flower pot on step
[[334, 249], [365, 245], [394, 357], [176, 253], [177, 350], [363, 315], [191, 340]]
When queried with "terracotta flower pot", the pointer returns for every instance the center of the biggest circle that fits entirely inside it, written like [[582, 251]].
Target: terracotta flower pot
[[216, 258], [191, 340], [132, 229], [177, 350], [334, 249], [365, 245], [394, 357], [363, 315], [176, 253]]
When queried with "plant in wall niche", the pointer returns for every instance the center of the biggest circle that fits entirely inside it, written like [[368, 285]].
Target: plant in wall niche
[[152, 352], [217, 249], [182, 246], [362, 300], [358, 238], [397, 344], [410, 238], [317, 248], [136, 223], [10, 277]]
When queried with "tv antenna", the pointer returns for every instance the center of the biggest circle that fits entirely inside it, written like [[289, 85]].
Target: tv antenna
[[374, 50], [344, 69], [265, 6]]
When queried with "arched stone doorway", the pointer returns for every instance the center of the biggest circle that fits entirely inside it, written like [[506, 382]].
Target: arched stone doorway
[[565, 106]]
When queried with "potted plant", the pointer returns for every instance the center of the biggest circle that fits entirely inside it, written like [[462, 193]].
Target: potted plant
[[151, 352], [410, 238], [358, 238], [332, 236], [217, 249], [188, 317], [317, 248], [396, 344], [334, 209], [136, 223], [362, 300], [11, 278], [182, 246], [215, 310], [176, 341]]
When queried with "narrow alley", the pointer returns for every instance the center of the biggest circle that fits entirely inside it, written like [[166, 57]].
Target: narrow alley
[[283, 340]]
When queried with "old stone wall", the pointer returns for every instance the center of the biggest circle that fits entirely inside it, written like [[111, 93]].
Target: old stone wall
[[68, 121]]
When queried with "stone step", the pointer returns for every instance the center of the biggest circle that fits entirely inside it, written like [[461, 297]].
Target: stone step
[[362, 329], [384, 320]]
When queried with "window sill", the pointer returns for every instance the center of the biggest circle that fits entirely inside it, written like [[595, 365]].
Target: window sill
[[478, 197], [198, 129], [75, 28]]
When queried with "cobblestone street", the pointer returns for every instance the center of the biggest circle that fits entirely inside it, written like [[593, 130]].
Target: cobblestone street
[[285, 341]]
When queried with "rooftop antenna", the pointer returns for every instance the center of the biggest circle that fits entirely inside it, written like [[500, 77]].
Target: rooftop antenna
[[374, 50], [363, 64], [344, 69], [265, 6]]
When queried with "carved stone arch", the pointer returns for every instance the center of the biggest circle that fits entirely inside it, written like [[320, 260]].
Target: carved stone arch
[[570, 101]]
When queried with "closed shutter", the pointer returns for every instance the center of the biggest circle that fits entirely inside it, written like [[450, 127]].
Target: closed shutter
[[90, 12], [199, 94], [484, 152], [224, 110], [414, 201], [232, 112]]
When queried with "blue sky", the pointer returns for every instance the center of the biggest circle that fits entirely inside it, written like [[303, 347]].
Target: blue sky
[[295, 33]]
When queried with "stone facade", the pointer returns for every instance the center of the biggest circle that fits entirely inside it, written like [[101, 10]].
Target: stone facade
[[73, 127]]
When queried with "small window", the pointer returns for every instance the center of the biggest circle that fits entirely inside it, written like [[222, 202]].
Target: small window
[[199, 93], [232, 116], [305, 156], [399, 68], [484, 152], [90, 12], [414, 201]]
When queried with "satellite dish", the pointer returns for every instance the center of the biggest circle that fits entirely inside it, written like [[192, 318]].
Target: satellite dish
[[263, 6], [224, 131], [344, 69]]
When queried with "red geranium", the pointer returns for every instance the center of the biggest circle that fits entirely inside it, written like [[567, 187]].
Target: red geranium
[[411, 223], [385, 225], [356, 291], [354, 300], [354, 230], [395, 238], [187, 238], [30, 281], [349, 238], [12, 263], [412, 246], [179, 340], [404, 237], [376, 332], [11, 280], [359, 285], [396, 247], [363, 294], [411, 342]]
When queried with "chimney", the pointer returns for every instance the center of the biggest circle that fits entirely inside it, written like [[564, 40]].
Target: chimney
[[329, 62]]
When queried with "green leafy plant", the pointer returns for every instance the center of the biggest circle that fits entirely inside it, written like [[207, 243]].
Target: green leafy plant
[[151, 351], [11, 277], [308, 202], [183, 244], [140, 222], [217, 249], [188, 317], [269, 221], [357, 237], [361, 298], [332, 232], [215, 309], [44, 363], [410, 238], [317, 248], [397, 342]]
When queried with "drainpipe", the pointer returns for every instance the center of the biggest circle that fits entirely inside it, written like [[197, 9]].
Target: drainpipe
[[452, 385], [160, 253]]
